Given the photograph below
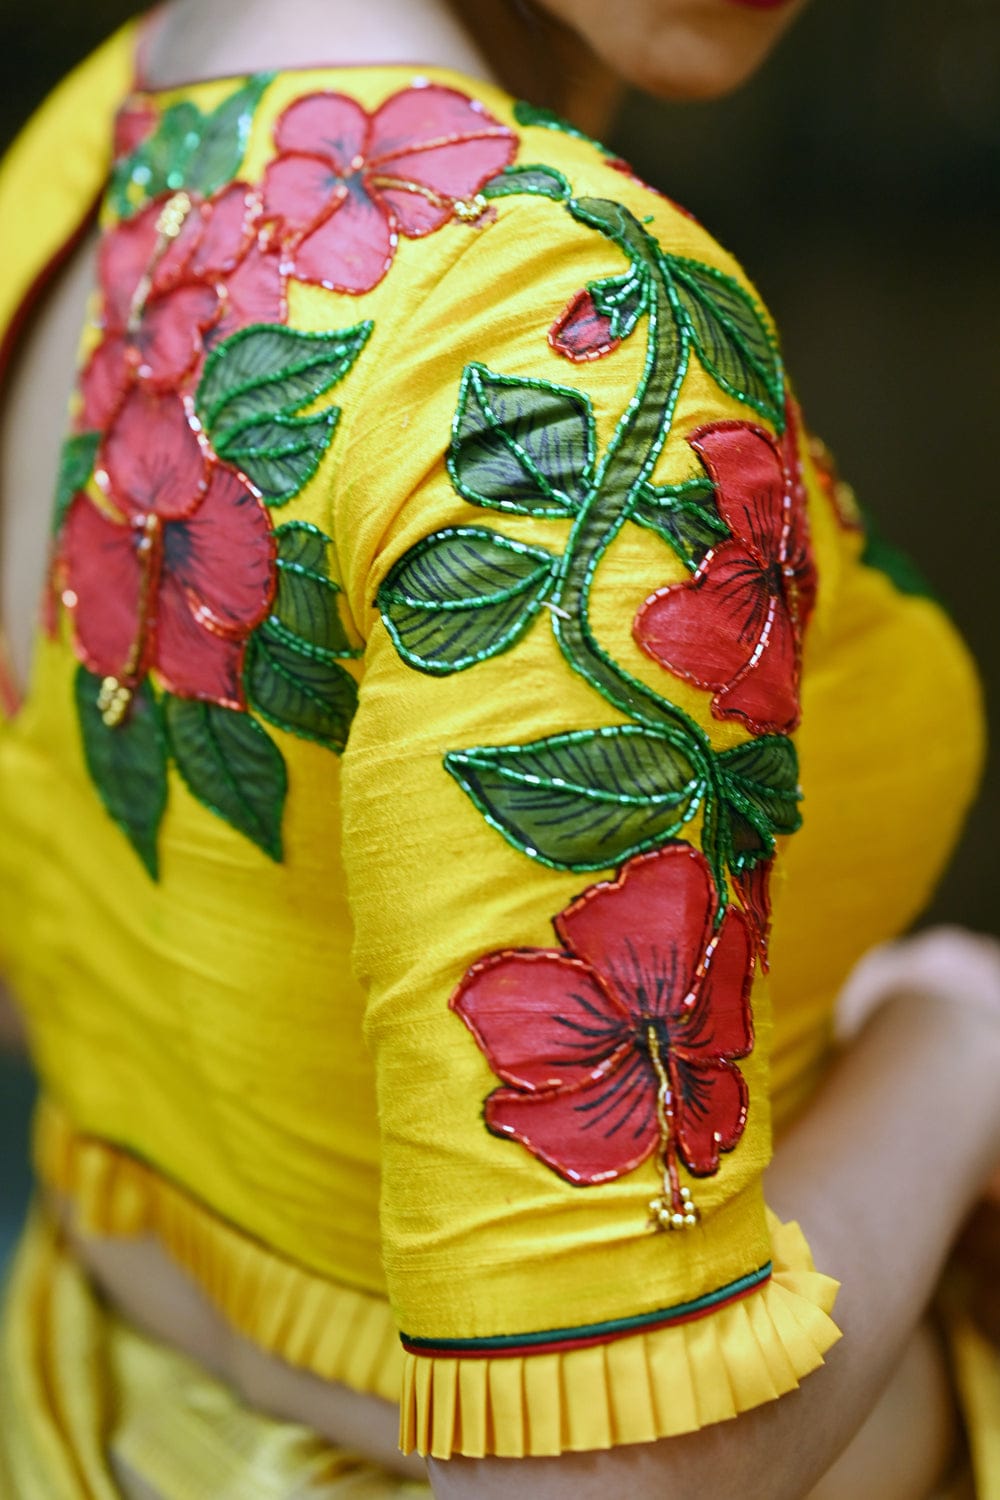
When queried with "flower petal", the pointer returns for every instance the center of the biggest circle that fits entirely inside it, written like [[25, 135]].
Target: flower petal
[[541, 1018], [328, 125], [168, 340], [766, 695], [645, 933], [708, 628], [581, 332], [223, 555], [754, 889], [134, 123], [745, 465], [711, 1107], [107, 376], [123, 260], [103, 585], [590, 1134], [422, 120], [422, 187], [151, 460], [351, 250], [719, 1026], [299, 190], [193, 661], [228, 230], [253, 293]]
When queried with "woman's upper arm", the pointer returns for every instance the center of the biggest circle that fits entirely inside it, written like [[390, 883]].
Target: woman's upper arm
[[573, 529]]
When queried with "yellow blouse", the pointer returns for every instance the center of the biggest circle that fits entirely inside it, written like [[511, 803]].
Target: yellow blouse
[[450, 626]]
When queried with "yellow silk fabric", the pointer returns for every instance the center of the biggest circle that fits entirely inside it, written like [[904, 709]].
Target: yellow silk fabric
[[272, 1042]]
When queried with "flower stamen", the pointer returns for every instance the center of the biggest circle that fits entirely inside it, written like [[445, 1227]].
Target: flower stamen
[[674, 1208], [168, 227]]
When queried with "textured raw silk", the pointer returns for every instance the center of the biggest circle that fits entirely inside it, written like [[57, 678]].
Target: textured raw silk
[[268, 899]]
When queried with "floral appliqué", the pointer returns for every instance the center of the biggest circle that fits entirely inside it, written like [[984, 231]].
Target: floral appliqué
[[196, 620], [180, 276], [346, 183], [625, 1041], [736, 627]]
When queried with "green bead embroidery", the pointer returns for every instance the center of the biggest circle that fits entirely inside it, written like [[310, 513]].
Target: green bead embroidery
[[591, 799]]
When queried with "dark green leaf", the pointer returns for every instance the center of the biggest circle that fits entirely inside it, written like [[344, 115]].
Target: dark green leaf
[[232, 766], [733, 341], [160, 163], [622, 299], [462, 595], [222, 138], [759, 783], [270, 371], [582, 801], [521, 445], [306, 609], [278, 454], [685, 515], [542, 182], [301, 693], [76, 465], [127, 763]]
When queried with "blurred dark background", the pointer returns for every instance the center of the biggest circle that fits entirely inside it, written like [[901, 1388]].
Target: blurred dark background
[[858, 180]]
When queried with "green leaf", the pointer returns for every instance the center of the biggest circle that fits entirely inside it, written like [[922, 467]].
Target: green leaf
[[232, 766], [299, 692], [582, 801], [267, 371], [622, 299], [526, 113], [159, 164], [76, 464], [759, 787], [733, 341], [127, 763], [685, 515], [542, 182], [521, 445], [306, 607], [278, 454], [463, 595], [222, 138]]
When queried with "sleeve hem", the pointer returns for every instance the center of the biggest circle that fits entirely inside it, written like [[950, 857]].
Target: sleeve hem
[[650, 1385]]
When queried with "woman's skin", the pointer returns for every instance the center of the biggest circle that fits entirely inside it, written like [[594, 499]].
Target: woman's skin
[[891, 1174]]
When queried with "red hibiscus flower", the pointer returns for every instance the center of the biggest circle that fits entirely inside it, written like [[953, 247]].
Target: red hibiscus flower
[[625, 1040], [178, 569], [180, 274], [581, 332], [346, 184], [737, 625]]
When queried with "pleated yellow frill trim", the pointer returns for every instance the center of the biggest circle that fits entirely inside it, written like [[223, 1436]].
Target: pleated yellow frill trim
[[636, 1389], [330, 1329]]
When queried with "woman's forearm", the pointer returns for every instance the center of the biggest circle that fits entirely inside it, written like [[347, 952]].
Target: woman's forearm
[[880, 1173]]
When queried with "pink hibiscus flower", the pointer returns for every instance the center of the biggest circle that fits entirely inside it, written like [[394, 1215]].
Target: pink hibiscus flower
[[347, 184], [736, 626], [625, 1040], [178, 569], [178, 276]]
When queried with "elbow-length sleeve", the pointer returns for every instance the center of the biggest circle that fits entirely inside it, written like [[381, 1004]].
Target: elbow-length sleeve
[[573, 524]]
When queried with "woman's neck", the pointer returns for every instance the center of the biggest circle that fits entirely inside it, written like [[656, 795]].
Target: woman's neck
[[500, 41]]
